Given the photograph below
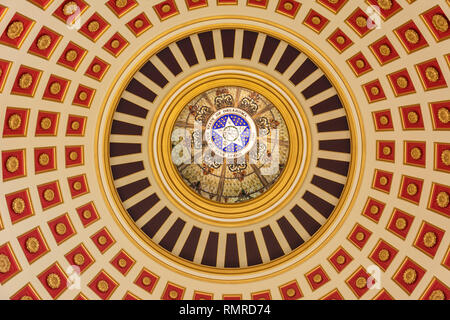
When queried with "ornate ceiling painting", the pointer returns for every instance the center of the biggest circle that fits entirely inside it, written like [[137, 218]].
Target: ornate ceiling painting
[[224, 149]]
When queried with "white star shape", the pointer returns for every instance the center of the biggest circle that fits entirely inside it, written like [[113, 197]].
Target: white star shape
[[231, 133]]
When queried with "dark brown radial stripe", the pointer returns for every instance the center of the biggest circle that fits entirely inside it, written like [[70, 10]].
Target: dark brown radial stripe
[[269, 47], [166, 56], [117, 149], [125, 128], [191, 244], [125, 169], [317, 87], [228, 37], [339, 145], [289, 55], [187, 49], [131, 108], [323, 207], [155, 223], [337, 124], [293, 238], [252, 250], [151, 72], [207, 42], [137, 88], [127, 191], [330, 104], [143, 206], [171, 237], [210, 253], [332, 187], [336, 166], [248, 44], [231, 251], [272, 245], [310, 225], [306, 68]]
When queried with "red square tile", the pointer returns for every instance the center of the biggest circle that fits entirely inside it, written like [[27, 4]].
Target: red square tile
[[43, 4], [227, 2], [437, 22], [49, 194], [130, 296], [3, 11], [383, 254], [359, 236], [386, 151], [45, 43], [72, 56], [5, 66], [33, 244], [94, 27], [408, 275], [47, 123], [414, 153], [195, 4], [288, 8], [446, 260], [411, 189], [16, 31], [70, 10], [139, 24], [74, 156], [373, 209], [56, 89], [103, 285], [440, 112], [61, 227], [383, 120], [232, 297], [291, 291], [16, 122], [13, 164], [76, 125], [146, 280], [411, 37], [26, 293], [339, 40], [436, 290], [123, 262], [334, 6], [384, 51], [360, 22], [401, 83], [374, 91], [54, 280], [10, 265], [442, 156], [359, 282], [19, 205], [88, 214], [78, 185], [26, 81], [116, 44], [97, 69], [412, 118], [173, 292], [333, 295], [83, 96], [44, 159], [340, 259], [166, 9], [359, 64], [80, 257], [103, 240], [80, 297], [317, 278], [431, 75], [315, 21], [429, 238], [121, 8], [385, 8], [400, 223], [261, 295], [383, 295], [382, 181]]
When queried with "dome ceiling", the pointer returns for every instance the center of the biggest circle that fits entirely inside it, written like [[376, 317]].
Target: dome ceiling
[[138, 143]]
